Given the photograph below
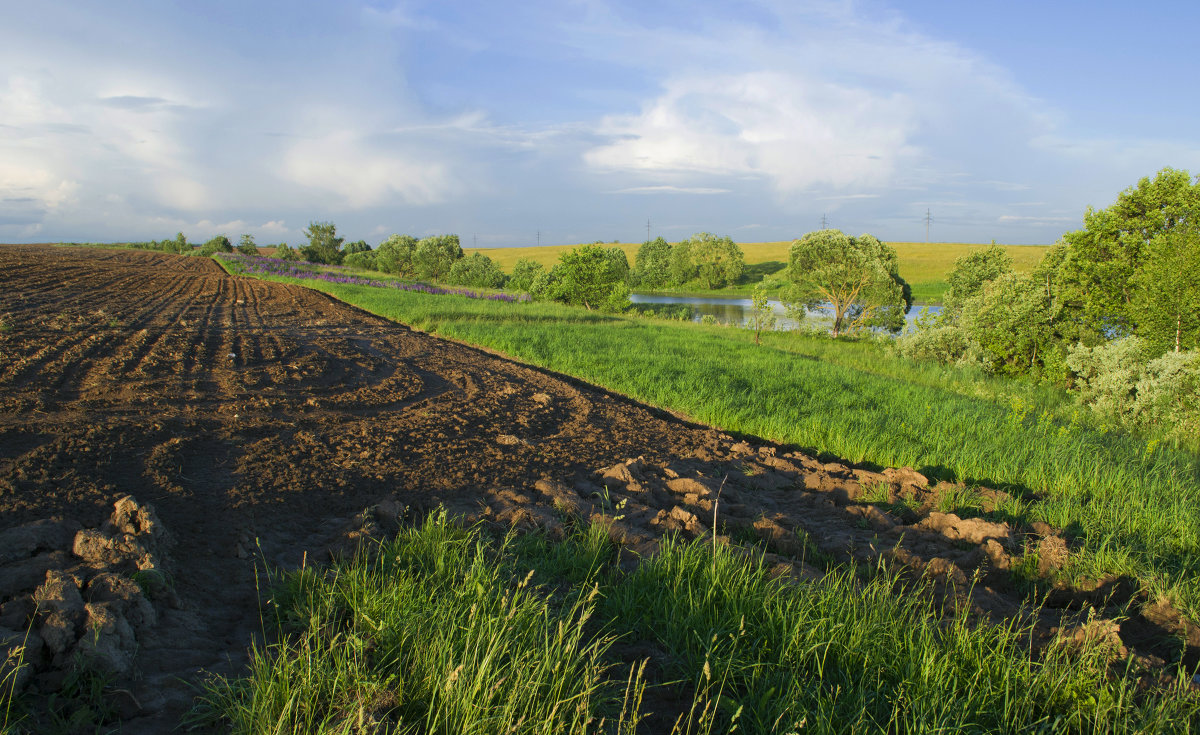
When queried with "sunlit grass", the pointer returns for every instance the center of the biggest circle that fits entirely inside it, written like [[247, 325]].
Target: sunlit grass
[[1133, 510], [446, 630]]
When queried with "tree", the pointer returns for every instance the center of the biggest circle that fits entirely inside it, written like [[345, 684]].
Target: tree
[[283, 251], [434, 256], [1104, 257], [525, 273], [363, 260], [760, 314], [971, 272], [719, 261], [652, 265], [324, 246], [178, 245], [1166, 300], [395, 255], [246, 245], [218, 244], [591, 276], [477, 271], [682, 268], [1011, 322], [358, 246], [859, 277]]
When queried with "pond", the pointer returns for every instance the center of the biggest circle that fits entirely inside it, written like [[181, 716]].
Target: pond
[[736, 311]]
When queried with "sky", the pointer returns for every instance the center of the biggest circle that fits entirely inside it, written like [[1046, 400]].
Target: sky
[[556, 122]]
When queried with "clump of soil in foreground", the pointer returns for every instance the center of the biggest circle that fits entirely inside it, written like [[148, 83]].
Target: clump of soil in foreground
[[164, 428]]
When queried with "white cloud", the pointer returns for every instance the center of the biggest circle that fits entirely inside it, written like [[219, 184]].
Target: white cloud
[[667, 189], [796, 131], [361, 175]]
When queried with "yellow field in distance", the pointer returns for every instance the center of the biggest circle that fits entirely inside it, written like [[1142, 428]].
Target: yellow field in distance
[[919, 262]]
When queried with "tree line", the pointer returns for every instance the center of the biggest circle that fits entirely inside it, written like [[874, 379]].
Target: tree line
[[1112, 310]]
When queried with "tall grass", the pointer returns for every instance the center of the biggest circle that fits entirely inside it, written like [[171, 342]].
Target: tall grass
[[448, 631], [1132, 504]]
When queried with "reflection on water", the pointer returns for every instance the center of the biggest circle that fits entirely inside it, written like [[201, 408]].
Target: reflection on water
[[736, 311]]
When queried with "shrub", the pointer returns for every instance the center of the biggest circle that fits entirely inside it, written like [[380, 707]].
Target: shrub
[[395, 255], [525, 272], [1160, 395], [219, 244], [478, 271], [246, 245], [283, 251], [363, 260], [434, 256]]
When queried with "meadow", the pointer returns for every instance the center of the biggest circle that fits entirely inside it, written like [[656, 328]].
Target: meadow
[[924, 265], [1129, 503]]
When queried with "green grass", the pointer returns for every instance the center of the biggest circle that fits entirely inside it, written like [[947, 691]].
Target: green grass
[[924, 265], [445, 630], [1132, 505]]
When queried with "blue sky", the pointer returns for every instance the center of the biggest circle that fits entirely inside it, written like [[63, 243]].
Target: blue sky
[[581, 120]]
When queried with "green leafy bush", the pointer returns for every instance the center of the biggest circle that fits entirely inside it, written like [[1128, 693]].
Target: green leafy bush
[[1161, 395], [365, 260], [476, 271], [246, 245], [525, 272], [395, 255], [219, 244]]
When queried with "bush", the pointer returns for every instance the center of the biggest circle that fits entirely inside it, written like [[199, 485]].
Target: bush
[[1122, 387], [358, 246], [476, 271], [943, 343], [525, 273], [363, 260], [219, 244], [434, 256], [324, 246], [395, 255], [283, 251], [246, 245]]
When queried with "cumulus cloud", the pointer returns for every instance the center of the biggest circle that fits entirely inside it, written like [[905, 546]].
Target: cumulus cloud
[[796, 131]]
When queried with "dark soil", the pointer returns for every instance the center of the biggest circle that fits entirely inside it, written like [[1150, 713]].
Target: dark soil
[[259, 420]]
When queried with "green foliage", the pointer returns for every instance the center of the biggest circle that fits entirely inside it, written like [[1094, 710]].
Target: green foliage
[[760, 315], [358, 246], [859, 277], [681, 267], [324, 246], [283, 251], [591, 276], [1121, 384], [476, 271], [449, 631], [1101, 271], [179, 245], [395, 255], [219, 244], [651, 267], [363, 260], [718, 261], [1166, 301], [971, 272], [525, 273], [434, 256], [1010, 321], [246, 245]]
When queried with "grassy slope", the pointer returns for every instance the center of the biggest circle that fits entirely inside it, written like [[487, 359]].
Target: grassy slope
[[448, 631], [1133, 506], [923, 265]]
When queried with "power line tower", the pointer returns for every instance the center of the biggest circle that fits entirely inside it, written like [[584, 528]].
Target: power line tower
[[647, 229], [928, 221], [539, 236], [824, 221]]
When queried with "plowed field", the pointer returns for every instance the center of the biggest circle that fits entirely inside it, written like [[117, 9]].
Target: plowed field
[[260, 419]]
